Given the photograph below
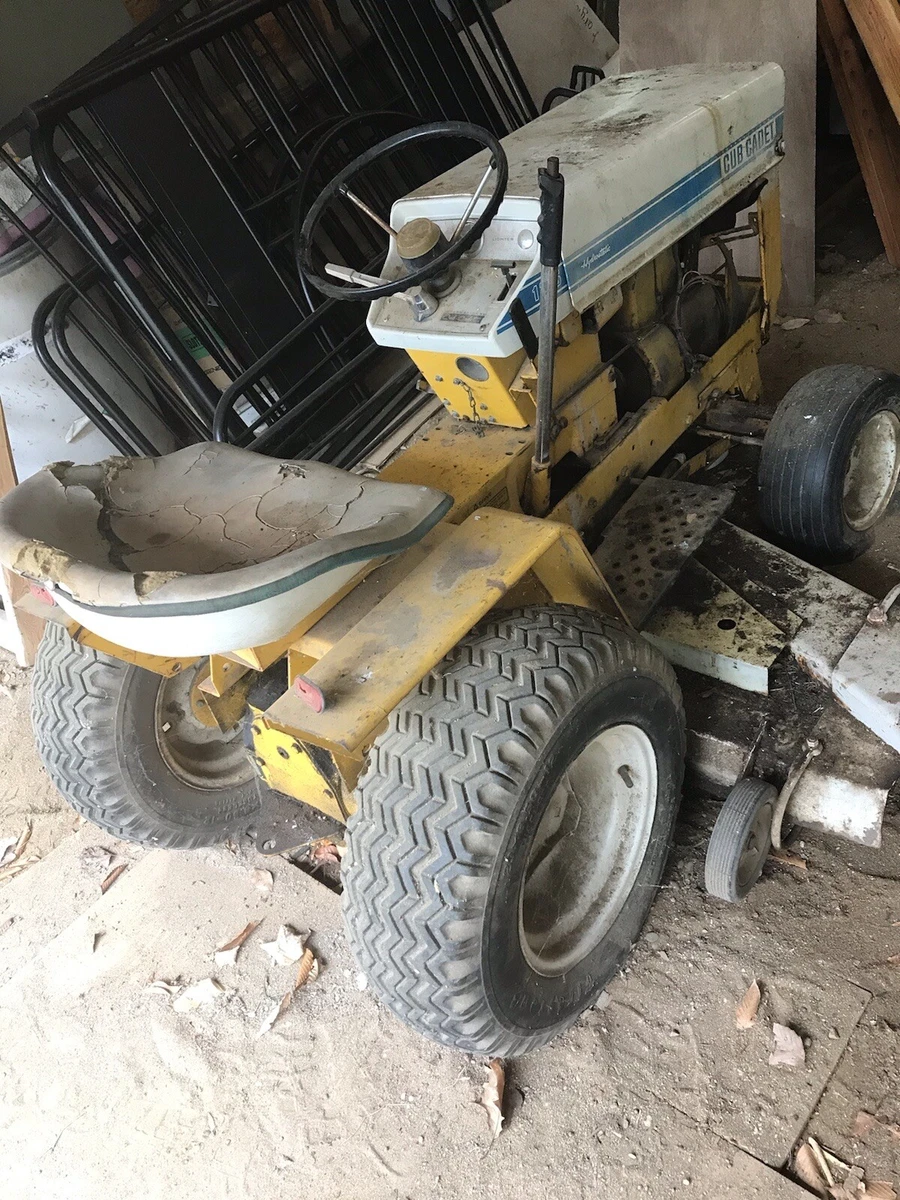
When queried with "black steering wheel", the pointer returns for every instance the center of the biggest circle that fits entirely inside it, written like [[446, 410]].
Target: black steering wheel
[[462, 240]]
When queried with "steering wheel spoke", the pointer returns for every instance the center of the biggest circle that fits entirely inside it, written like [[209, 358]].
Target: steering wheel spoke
[[370, 212], [440, 253]]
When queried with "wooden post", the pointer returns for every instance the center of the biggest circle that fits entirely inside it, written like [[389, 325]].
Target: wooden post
[[20, 631], [873, 127]]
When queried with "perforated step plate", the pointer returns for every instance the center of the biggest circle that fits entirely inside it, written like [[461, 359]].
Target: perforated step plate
[[652, 536]]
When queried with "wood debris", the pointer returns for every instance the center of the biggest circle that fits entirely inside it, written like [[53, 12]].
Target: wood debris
[[162, 987], [112, 877], [307, 969], [863, 1124], [307, 972], [11, 850], [745, 1013], [263, 881], [325, 851], [226, 954], [204, 992], [491, 1098], [807, 1170], [98, 859], [278, 1011], [287, 948], [787, 859], [880, 1189], [789, 1051], [850, 1188], [821, 1162]]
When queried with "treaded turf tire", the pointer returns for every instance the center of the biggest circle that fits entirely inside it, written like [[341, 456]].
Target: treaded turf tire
[[807, 450], [93, 719], [448, 808]]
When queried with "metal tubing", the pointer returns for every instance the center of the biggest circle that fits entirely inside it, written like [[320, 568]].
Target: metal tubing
[[550, 238], [194, 380], [546, 355], [506, 61], [90, 410], [112, 74], [102, 398]]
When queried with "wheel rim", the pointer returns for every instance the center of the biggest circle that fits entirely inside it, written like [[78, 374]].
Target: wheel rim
[[872, 470], [197, 753], [756, 848], [588, 849]]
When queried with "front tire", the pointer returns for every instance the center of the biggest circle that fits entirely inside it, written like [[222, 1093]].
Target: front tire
[[99, 725], [513, 825], [831, 459]]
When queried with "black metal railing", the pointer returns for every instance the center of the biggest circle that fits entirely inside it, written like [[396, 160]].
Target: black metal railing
[[182, 161]]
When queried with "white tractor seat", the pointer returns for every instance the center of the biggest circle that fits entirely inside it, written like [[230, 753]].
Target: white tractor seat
[[207, 550]]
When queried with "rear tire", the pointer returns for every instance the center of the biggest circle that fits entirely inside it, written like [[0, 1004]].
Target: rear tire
[[95, 723], [831, 458], [513, 826]]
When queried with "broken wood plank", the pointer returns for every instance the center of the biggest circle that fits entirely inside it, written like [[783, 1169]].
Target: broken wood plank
[[873, 129]]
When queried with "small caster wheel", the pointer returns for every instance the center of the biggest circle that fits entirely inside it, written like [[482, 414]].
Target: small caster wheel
[[740, 840]]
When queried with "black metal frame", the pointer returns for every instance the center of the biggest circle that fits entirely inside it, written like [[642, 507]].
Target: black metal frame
[[254, 103]]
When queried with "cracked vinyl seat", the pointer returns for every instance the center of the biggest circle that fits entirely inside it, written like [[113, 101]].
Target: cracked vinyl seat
[[207, 550]]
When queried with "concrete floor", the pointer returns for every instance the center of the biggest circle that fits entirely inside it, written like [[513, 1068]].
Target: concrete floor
[[105, 1090]]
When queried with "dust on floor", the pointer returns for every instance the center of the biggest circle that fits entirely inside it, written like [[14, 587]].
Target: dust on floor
[[107, 1090]]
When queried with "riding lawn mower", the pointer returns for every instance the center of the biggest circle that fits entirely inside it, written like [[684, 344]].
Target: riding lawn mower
[[468, 659]]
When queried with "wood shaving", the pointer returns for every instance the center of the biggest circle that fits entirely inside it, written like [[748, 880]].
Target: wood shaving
[[307, 969], [204, 992], [287, 948], [807, 1169], [161, 987], [491, 1098], [226, 954], [820, 1160], [745, 1013], [112, 877]]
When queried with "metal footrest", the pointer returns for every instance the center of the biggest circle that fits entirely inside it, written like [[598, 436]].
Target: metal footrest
[[652, 536]]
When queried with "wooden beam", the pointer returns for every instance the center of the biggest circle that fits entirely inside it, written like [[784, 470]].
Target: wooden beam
[[878, 22], [873, 127]]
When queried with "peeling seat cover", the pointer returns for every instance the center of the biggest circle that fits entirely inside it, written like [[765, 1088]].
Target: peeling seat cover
[[208, 528]]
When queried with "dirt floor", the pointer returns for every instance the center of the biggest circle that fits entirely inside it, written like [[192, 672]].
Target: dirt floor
[[107, 1090]]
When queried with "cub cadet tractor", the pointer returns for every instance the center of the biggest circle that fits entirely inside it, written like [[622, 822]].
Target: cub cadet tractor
[[447, 658]]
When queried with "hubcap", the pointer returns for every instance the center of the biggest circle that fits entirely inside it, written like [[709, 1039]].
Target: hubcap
[[756, 848], [588, 849], [196, 752], [872, 470]]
